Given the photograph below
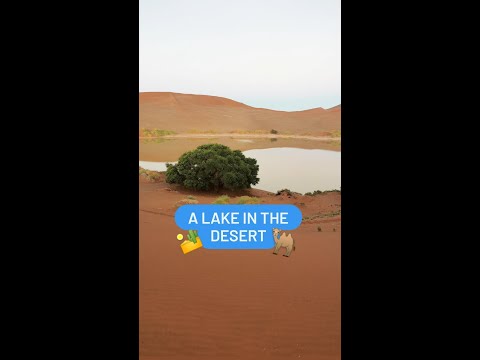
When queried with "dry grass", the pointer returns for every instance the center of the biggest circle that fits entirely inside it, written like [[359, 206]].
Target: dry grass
[[151, 175], [224, 199], [186, 202], [248, 200]]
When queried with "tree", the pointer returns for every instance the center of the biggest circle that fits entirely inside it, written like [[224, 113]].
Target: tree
[[213, 167]]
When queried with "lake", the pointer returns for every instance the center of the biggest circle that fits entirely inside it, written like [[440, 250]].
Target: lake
[[300, 170]]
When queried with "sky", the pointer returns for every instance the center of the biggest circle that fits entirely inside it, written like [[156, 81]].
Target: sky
[[275, 54]]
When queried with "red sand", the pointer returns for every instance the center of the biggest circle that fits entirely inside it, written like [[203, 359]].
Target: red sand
[[214, 304], [185, 113]]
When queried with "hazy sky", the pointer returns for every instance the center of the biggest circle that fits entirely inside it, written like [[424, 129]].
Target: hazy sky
[[277, 54]]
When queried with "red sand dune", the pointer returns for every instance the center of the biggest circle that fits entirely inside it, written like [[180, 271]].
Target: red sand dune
[[186, 113], [337, 108]]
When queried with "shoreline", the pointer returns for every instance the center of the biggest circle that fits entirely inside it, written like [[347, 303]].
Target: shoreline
[[264, 136], [283, 196], [262, 192]]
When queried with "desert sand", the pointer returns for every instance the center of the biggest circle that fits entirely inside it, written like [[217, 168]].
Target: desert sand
[[184, 113], [246, 136], [238, 304]]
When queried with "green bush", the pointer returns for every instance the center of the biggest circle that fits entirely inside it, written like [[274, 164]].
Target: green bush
[[224, 199], [213, 167]]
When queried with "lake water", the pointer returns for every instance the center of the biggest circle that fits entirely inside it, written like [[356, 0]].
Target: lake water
[[300, 170]]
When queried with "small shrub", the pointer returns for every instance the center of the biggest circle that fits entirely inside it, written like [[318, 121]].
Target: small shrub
[[248, 200], [258, 131], [153, 140], [322, 215], [336, 133], [284, 191], [155, 132], [320, 192], [331, 191], [224, 199], [273, 131], [149, 174], [196, 131], [319, 228], [154, 176], [316, 192], [333, 213], [191, 197], [334, 230]]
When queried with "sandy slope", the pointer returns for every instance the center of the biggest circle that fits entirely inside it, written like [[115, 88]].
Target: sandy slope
[[238, 304], [184, 112]]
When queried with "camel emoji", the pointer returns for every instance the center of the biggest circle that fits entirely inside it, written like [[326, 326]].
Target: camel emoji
[[285, 241]]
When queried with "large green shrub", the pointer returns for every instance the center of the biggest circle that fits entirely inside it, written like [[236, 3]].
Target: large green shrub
[[213, 167]]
